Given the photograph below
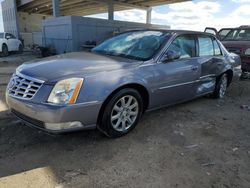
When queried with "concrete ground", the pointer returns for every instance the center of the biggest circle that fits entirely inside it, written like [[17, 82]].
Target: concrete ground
[[204, 143]]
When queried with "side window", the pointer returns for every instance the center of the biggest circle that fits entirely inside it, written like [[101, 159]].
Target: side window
[[217, 50], [224, 32], [12, 36], [185, 45], [7, 35], [206, 47]]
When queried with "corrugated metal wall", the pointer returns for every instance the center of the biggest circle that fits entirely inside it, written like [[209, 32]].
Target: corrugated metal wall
[[70, 33], [9, 12]]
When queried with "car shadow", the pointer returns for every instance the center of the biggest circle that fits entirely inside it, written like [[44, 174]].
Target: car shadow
[[23, 148]]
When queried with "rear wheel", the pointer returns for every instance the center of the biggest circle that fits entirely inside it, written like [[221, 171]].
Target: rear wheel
[[221, 87], [5, 51], [122, 113]]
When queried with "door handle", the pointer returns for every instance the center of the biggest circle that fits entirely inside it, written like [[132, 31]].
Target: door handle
[[194, 68]]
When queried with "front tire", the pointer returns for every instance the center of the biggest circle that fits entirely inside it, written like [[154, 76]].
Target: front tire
[[5, 51], [122, 113], [221, 87]]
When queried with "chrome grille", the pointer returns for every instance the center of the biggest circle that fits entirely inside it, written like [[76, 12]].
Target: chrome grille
[[24, 87]]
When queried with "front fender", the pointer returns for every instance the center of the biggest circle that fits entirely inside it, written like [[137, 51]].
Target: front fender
[[99, 86]]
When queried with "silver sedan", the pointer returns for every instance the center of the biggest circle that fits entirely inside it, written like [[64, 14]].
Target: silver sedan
[[114, 84]]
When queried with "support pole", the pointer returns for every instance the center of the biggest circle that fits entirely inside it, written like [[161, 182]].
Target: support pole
[[149, 16], [111, 10], [56, 8]]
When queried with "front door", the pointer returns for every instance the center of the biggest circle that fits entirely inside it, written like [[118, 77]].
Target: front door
[[177, 80], [10, 42]]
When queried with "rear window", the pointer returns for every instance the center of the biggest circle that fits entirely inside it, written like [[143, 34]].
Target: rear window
[[224, 32], [206, 47], [217, 50], [238, 35]]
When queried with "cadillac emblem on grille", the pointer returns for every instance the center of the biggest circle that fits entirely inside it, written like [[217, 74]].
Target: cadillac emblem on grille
[[12, 83], [24, 87]]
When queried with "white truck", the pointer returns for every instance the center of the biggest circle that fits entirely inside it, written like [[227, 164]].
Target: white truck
[[9, 43]]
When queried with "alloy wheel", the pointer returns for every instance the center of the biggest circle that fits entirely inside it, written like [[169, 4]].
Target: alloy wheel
[[124, 113], [223, 86]]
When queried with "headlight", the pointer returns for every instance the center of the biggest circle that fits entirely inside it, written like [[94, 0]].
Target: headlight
[[247, 52], [66, 91]]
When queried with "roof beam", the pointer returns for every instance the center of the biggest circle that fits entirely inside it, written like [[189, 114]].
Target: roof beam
[[129, 5], [34, 4], [88, 7]]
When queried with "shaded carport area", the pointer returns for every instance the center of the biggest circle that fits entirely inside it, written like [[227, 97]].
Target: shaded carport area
[[35, 22], [88, 7], [203, 143]]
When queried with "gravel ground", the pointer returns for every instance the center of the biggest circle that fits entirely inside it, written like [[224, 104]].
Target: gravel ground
[[204, 143]]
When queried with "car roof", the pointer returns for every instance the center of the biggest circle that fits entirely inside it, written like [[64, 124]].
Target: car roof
[[174, 31], [245, 26]]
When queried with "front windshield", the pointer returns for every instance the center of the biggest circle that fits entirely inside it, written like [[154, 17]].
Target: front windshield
[[139, 45], [1, 35], [238, 35]]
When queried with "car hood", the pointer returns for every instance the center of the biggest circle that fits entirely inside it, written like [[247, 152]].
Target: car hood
[[72, 65], [236, 44]]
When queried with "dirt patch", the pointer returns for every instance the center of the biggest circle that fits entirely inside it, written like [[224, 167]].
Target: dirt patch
[[203, 143]]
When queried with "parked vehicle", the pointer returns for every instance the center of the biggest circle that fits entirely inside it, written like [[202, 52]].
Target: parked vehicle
[[9, 43], [121, 78], [236, 40]]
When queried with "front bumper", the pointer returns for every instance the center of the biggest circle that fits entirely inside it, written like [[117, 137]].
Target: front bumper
[[38, 114]]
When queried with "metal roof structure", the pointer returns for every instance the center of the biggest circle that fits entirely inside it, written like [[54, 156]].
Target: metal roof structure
[[87, 7]]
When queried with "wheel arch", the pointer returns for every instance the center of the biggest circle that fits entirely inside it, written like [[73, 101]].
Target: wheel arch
[[138, 87], [4, 44], [229, 73]]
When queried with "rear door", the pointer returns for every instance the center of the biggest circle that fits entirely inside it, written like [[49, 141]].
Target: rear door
[[15, 42], [210, 58]]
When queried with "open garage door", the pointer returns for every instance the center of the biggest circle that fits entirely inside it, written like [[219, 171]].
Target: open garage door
[[9, 12]]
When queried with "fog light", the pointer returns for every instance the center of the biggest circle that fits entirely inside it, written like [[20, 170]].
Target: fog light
[[63, 126]]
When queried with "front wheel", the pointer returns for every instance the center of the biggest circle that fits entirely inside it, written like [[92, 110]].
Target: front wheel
[[221, 87], [5, 51], [122, 113]]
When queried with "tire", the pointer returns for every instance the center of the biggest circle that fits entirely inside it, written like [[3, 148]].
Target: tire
[[20, 49], [122, 113], [221, 87], [5, 51]]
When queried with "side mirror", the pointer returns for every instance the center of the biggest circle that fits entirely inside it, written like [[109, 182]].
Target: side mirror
[[171, 55], [7, 37]]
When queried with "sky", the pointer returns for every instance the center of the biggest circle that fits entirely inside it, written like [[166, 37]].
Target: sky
[[193, 15]]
